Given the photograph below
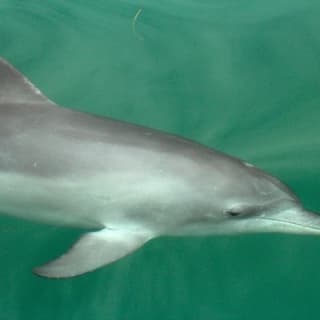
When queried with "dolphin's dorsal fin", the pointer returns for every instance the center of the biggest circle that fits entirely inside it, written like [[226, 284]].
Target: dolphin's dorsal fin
[[15, 88], [92, 251]]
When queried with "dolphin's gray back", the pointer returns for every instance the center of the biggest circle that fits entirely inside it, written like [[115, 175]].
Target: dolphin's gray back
[[60, 140], [38, 137]]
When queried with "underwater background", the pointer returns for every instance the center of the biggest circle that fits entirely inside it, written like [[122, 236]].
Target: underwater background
[[240, 76]]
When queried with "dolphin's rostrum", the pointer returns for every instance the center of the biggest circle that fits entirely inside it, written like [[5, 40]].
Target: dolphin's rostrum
[[125, 184]]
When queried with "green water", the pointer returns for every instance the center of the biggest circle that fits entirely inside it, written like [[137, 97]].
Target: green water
[[240, 76]]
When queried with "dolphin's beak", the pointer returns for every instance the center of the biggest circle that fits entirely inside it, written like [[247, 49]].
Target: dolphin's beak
[[294, 220]]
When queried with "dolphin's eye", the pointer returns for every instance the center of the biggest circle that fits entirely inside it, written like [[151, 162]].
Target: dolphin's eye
[[242, 211], [234, 212]]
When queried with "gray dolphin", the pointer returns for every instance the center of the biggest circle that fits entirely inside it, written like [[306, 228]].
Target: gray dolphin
[[125, 184]]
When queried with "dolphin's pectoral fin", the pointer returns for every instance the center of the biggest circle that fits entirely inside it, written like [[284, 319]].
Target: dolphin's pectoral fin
[[93, 250]]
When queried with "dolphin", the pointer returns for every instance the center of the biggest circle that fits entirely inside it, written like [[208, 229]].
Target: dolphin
[[125, 184]]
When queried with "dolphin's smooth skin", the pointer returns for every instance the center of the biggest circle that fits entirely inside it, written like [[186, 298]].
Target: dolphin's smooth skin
[[125, 184]]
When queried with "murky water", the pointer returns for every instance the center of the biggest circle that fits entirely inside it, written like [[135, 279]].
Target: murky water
[[239, 76]]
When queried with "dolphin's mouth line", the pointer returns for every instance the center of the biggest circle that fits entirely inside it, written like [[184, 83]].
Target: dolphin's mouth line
[[292, 223]]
